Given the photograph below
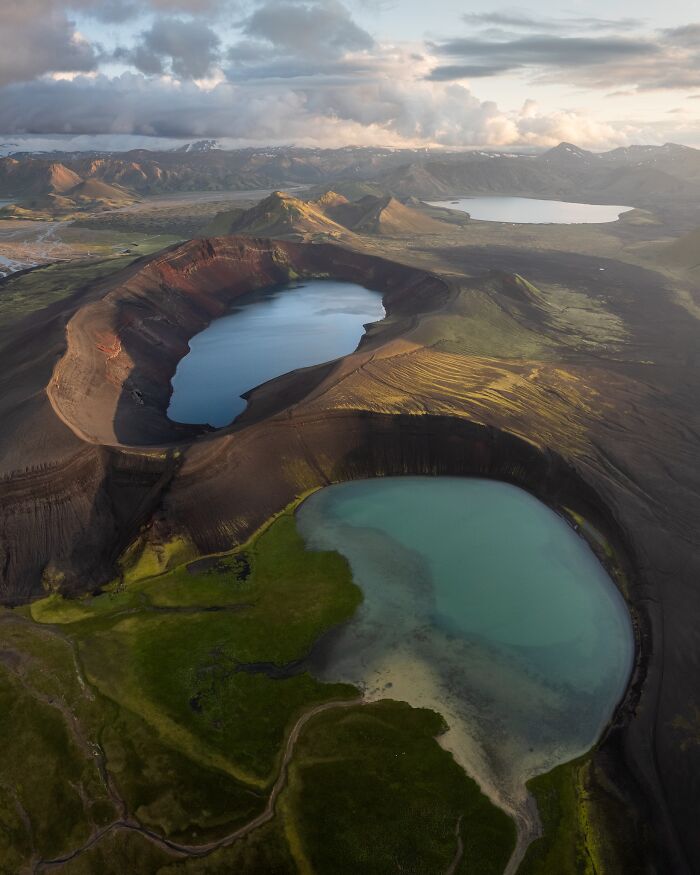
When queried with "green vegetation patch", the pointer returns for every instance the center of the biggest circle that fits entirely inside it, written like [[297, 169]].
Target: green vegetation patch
[[186, 686], [371, 791], [111, 251], [563, 848], [36, 289], [168, 791], [586, 830], [186, 660], [475, 324], [121, 852], [51, 793], [263, 852]]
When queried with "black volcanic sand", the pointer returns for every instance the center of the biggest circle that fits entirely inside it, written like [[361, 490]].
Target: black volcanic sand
[[608, 429]]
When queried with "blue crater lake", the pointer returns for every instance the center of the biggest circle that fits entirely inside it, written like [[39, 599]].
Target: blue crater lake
[[532, 211], [484, 605], [267, 334]]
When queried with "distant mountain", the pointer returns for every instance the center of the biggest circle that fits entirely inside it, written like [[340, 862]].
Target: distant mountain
[[351, 189], [23, 178], [566, 171], [280, 215], [682, 162], [52, 190], [8, 148], [641, 185], [415, 180], [199, 147], [332, 215], [383, 215], [569, 157], [436, 179], [53, 179]]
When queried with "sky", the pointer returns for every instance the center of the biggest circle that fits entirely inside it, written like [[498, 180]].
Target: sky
[[440, 74]]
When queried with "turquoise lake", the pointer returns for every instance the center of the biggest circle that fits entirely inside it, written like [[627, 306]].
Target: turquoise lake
[[267, 334], [484, 605], [532, 211]]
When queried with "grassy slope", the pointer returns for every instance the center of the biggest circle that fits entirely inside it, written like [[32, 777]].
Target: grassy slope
[[166, 652], [36, 289], [24, 294], [263, 852], [51, 793], [370, 791], [192, 744], [586, 830]]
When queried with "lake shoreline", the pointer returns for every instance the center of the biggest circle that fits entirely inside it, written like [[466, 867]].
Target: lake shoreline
[[520, 210], [266, 334], [405, 676]]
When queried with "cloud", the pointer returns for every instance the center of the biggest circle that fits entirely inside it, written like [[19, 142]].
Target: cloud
[[523, 21], [688, 35], [451, 72], [313, 40], [384, 110], [542, 50], [305, 71], [122, 10], [36, 37], [135, 104], [669, 59], [316, 28], [186, 49]]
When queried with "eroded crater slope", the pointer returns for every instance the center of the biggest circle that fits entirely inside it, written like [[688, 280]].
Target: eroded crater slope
[[542, 369]]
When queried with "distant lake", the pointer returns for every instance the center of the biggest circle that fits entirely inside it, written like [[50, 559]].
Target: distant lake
[[531, 211], [483, 604], [267, 334]]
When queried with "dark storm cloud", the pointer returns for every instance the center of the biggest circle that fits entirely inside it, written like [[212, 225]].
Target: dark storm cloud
[[187, 49], [36, 37]]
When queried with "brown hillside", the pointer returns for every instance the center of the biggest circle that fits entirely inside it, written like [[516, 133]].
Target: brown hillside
[[94, 191], [281, 215], [332, 214], [56, 179], [389, 216]]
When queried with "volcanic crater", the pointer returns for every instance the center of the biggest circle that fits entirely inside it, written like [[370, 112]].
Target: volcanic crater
[[90, 461]]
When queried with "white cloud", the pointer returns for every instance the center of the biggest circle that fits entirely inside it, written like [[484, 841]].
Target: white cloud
[[379, 111], [297, 71]]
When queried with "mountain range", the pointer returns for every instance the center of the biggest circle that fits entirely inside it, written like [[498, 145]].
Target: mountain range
[[640, 176]]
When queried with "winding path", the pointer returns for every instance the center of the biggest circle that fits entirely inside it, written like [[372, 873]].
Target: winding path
[[203, 850]]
